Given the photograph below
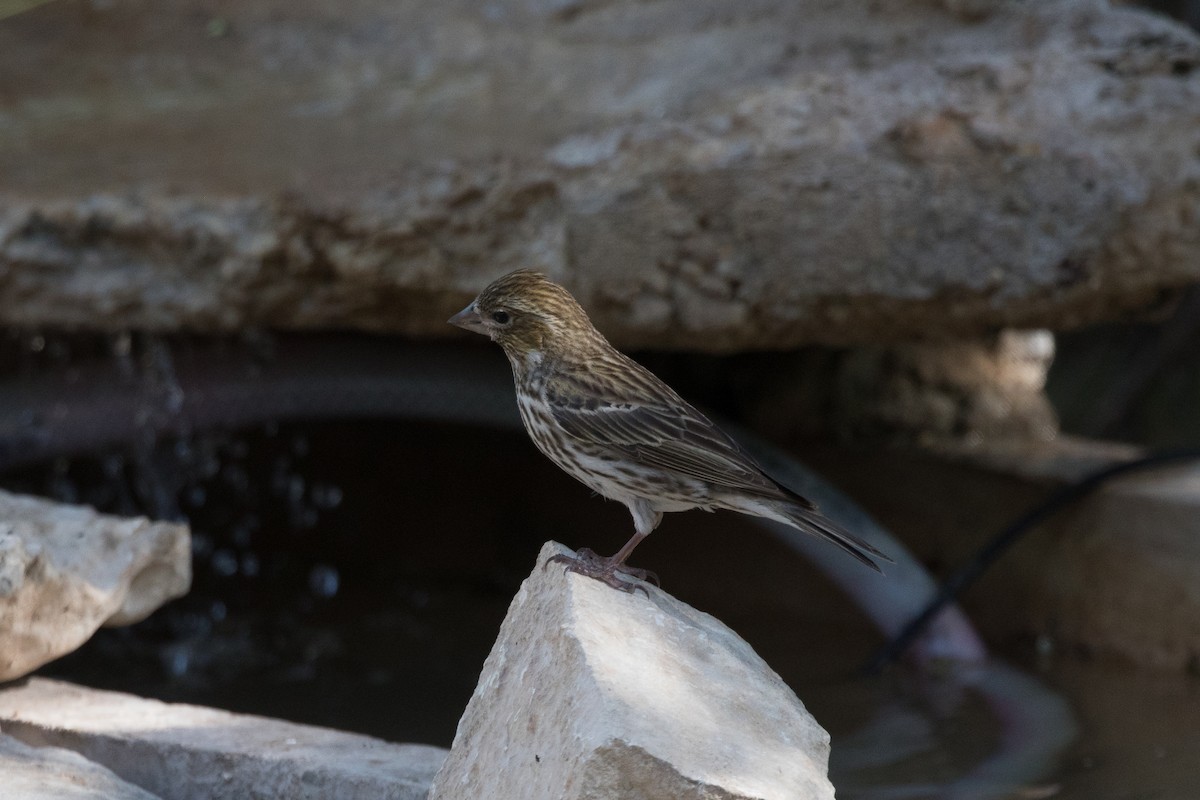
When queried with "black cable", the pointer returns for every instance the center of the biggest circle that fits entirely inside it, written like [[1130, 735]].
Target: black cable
[[954, 584]]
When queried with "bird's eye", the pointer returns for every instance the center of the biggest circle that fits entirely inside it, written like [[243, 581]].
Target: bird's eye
[[501, 317]]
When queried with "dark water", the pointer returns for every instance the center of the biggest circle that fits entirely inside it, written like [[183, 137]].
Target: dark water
[[354, 575]]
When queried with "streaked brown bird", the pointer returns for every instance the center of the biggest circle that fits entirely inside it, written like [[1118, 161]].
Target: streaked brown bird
[[609, 422]]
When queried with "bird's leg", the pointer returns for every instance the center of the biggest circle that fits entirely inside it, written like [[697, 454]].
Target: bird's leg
[[586, 562], [619, 557], [605, 569]]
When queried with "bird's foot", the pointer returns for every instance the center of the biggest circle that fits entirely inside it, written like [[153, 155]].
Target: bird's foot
[[605, 569]]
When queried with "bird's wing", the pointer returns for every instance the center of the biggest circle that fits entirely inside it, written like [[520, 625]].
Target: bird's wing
[[639, 417]]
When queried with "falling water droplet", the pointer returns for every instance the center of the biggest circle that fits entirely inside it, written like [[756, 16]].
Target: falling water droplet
[[196, 496], [326, 496], [224, 563], [323, 581], [122, 344], [202, 545], [176, 660], [295, 489]]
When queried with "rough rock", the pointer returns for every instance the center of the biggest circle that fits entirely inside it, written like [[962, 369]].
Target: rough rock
[[1124, 578], [594, 693], [66, 570], [1114, 574], [182, 752], [50, 773], [970, 389], [704, 175]]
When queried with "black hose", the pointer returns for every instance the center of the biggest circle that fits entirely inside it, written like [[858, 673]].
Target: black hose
[[957, 581]]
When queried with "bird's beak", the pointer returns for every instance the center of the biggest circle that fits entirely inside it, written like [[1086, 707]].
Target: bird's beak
[[468, 319]]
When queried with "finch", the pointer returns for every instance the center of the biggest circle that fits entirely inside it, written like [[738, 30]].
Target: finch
[[611, 424]]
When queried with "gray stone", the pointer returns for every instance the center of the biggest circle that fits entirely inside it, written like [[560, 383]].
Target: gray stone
[[594, 693], [182, 752], [50, 773], [972, 389], [704, 174], [1115, 573], [66, 570]]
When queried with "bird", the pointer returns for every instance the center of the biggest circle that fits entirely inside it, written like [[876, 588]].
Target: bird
[[613, 425]]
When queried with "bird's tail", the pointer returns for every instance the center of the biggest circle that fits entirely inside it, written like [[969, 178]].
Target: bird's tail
[[812, 521]]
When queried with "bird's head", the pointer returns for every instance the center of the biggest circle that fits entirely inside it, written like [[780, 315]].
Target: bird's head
[[528, 314]]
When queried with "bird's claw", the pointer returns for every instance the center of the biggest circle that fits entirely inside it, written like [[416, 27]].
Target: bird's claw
[[585, 562]]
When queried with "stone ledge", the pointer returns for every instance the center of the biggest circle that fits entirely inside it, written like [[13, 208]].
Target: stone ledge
[[730, 177], [182, 752], [51, 773]]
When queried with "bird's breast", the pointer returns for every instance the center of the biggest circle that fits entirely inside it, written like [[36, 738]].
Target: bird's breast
[[604, 470]]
